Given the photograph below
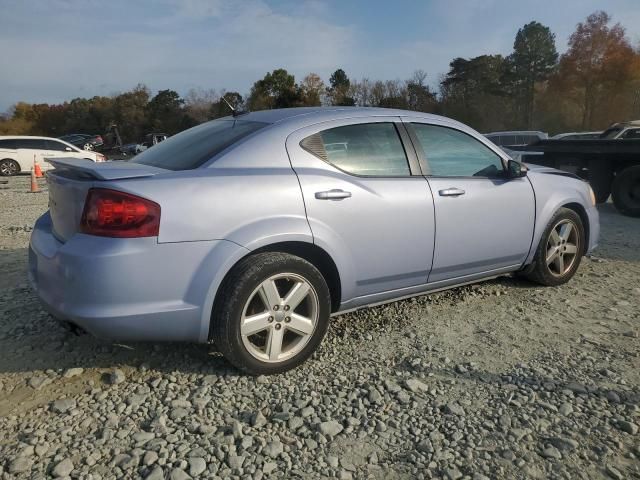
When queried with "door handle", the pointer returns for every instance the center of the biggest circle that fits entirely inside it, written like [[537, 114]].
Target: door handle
[[335, 194], [451, 192]]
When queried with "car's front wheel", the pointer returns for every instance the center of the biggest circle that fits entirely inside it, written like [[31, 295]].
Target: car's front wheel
[[88, 146], [560, 250], [271, 313]]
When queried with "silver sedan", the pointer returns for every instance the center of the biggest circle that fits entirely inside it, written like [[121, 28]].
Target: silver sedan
[[252, 230]]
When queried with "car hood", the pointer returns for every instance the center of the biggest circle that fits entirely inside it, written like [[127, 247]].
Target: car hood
[[551, 171]]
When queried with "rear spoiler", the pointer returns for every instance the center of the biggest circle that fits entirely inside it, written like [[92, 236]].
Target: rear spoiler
[[105, 170]]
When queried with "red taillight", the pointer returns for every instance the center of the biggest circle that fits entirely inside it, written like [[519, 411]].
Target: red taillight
[[110, 213]]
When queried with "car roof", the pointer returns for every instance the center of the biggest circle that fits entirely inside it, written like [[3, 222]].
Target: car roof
[[299, 117], [517, 132], [24, 137]]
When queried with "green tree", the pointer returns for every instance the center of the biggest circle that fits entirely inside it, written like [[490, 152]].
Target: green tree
[[277, 89], [533, 59], [221, 109], [472, 91], [165, 113], [419, 96], [338, 90]]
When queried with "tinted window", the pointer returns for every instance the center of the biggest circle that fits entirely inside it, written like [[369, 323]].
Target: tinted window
[[10, 144], [632, 133], [611, 132], [57, 146], [31, 143], [368, 149], [193, 147], [451, 153]]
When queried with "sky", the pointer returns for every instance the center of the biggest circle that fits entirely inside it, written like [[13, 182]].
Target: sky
[[57, 50]]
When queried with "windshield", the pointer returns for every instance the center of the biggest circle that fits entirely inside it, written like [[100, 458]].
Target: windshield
[[193, 147], [611, 132]]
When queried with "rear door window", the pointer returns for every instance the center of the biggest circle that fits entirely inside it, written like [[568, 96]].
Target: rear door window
[[194, 147], [363, 149], [57, 146]]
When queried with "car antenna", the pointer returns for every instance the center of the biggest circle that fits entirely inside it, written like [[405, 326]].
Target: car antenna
[[234, 112]]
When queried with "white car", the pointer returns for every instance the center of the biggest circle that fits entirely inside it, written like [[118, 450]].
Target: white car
[[17, 153]]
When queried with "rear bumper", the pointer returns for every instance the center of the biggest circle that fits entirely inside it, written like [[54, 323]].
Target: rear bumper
[[128, 289]]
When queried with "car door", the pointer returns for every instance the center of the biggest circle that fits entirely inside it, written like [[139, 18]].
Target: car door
[[367, 204], [58, 149], [29, 150], [484, 220]]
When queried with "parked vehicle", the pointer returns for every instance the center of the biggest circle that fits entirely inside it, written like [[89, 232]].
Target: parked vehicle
[[152, 139], [17, 153], [250, 232], [133, 148], [624, 130], [610, 165], [515, 138], [83, 141], [576, 136]]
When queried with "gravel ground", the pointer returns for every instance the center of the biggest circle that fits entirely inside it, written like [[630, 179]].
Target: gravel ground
[[500, 380]]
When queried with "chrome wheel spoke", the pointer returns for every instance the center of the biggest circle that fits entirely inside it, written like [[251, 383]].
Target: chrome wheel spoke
[[274, 329], [296, 295], [269, 294], [301, 325], [563, 246], [274, 343], [565, 231], [255, 323]]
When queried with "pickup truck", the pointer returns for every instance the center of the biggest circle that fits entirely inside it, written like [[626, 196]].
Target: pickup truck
[[611, 164]]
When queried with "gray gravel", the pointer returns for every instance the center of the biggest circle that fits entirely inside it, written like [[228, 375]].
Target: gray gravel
[[500, 380]]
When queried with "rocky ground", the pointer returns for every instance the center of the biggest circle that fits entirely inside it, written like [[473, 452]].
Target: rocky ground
[[500, 380]]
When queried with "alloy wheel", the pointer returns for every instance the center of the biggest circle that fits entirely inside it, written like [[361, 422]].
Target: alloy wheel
[[88, 147], [562, 247], [8, 168], [279, 317]]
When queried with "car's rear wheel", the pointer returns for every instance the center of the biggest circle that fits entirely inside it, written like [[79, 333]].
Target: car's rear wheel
[[9, 167], [626, 191], [271, 313], [560, 250]]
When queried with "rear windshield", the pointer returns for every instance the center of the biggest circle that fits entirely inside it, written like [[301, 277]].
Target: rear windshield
[[193, 147]]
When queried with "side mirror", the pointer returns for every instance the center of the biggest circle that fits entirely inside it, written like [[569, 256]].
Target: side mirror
[[516, 169], [68, 149]]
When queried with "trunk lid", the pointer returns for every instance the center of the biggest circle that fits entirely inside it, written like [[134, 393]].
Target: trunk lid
[[70, 181]]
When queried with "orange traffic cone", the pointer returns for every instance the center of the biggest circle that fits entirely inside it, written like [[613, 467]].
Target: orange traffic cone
[[36, 167], [34, 182]]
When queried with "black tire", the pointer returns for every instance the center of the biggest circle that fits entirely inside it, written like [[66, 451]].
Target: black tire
[[626, 191], [9, 167], [600, 179], [236, 291], [539, 271]]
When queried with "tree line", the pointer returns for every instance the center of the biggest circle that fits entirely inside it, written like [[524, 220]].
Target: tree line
[[594, 83]]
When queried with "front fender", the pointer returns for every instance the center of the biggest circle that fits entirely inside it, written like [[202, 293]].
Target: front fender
[[552, 193]]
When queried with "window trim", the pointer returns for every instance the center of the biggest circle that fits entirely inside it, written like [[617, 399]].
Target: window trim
[[424, 160], [410, 153]]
